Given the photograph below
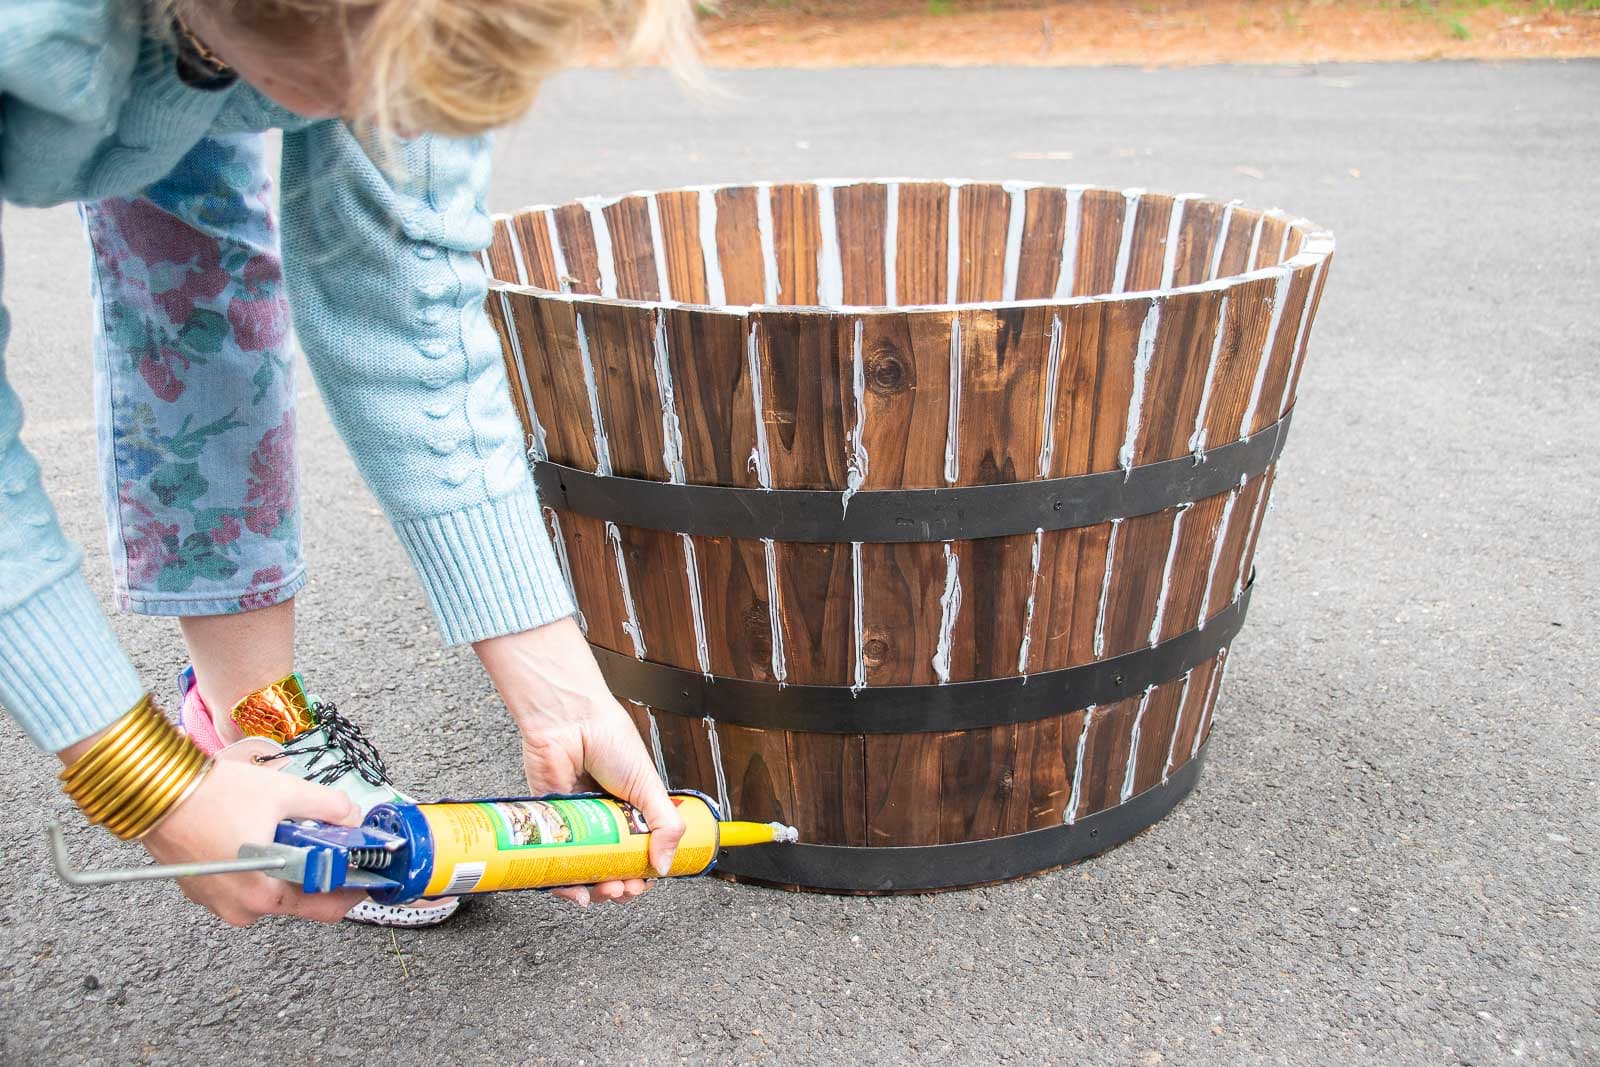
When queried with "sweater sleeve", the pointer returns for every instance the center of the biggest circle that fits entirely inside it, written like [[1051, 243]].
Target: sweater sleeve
[[63, 676], [387, 292]]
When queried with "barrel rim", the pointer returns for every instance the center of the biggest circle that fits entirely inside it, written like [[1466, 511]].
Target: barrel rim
[[1317, 245]]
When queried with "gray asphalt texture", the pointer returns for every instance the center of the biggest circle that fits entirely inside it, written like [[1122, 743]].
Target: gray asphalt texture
[[1392, 856]]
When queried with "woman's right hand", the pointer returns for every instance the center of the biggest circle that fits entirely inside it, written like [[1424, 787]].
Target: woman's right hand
[[241, 802]]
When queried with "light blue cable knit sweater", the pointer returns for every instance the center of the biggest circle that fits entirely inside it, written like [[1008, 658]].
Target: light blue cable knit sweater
[[387, 298]]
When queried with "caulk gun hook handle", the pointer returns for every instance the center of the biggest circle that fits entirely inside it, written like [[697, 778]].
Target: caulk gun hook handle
[[153, 872]]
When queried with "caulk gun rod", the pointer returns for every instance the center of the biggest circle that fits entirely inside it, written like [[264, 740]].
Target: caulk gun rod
[[58, 855]]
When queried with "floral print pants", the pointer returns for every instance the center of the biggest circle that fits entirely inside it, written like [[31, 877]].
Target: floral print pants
[[195, 388]]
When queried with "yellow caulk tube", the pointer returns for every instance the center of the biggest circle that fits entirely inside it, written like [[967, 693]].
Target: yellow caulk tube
[[486, 846]]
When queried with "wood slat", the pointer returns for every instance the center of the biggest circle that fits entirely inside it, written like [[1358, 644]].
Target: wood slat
[[1305, 336], [797, 241], [860, 212], [1175, 381], [622, 351], [1155, 734], [1136, 574], [830, 803], [595, 583], [739, 245], [1043, 229], [1099, 241], [547, 335], [756, 767], [1244, 334], [1236, 243], [531, 232], [1197, 240], [807, 400], [576, 234], [679, 211], [733, 590], [1147, 252], [922, 245], [983, 215], [1284, 346], [633, 252], [711, 388], [907, 399]]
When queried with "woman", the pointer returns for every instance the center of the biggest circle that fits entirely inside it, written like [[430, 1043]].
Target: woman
[[150, 115]]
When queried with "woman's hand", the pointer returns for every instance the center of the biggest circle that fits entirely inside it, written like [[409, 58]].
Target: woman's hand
[[575, 735], [240, 802]]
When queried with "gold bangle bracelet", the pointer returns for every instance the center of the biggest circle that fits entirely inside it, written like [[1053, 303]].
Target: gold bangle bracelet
[[135, 773]]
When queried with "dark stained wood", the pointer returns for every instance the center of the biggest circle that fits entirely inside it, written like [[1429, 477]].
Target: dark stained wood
[[621, 348], [495, 307], [1147, 252], [1284, 346], [733, 591], [806, 367], [531, 232], [1191, 563], [1191, 710], [501, 263], [904, 789], [860, 212], [1176, 378], [576, 234], [829, 772], [755, 765], [1197, 240], [680, 238], [1130, 603], [983, 214], [633, 248], [547, 336], [1003, 367], [1245, 332], [907, 398], [1043, 224], [1305, 337], [659, 582], [711, 388], [1236, 243], [1099, 241], [1072, 566], [1273, 228], [797, 241], [978, 787], [1105, 756], [814, 581], [686, 750], [1155, 735], [1233, 545], [594, 581], [739, 245], [922, 243]]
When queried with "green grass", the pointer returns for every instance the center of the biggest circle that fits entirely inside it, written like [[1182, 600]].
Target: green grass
[[941, 7]]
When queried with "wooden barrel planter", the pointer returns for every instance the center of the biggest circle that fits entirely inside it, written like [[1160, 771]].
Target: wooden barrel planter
[[918, 515]]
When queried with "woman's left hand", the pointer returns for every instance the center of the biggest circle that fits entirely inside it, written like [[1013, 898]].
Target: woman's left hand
[[575, 734]]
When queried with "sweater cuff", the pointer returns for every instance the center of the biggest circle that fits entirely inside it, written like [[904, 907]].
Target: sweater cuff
[[489, 569], [63, 675]]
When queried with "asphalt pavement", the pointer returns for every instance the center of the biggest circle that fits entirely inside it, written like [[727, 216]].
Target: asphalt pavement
[[1392, 857]]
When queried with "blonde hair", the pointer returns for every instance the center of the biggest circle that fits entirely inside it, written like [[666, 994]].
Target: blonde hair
[[463, 67]]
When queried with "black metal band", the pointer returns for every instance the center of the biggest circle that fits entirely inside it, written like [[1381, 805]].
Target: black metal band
[[887, 515], [908, 709], [925, 867]]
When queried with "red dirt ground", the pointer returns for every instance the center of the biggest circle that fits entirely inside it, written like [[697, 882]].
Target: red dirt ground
[[843, 33]]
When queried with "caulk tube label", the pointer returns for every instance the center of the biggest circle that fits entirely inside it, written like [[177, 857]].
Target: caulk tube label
[[538, 843]]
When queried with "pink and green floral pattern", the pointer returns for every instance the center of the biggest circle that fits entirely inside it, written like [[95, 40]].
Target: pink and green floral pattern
[[192, 363]]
